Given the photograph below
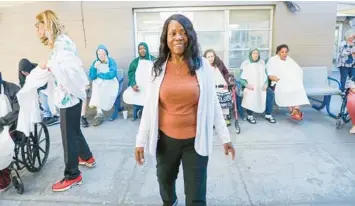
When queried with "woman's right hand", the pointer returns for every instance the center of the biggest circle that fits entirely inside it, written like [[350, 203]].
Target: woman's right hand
[[139, 154], [97, 64], [250, 87]]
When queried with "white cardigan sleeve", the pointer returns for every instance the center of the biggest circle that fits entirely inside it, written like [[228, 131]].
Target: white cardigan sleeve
[[144, 127]]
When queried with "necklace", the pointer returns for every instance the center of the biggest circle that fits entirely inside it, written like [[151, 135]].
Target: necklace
[[178, 68]]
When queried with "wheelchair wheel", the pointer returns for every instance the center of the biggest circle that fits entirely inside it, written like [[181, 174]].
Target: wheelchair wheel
[[17, 182], [35, 151], [237, 128]]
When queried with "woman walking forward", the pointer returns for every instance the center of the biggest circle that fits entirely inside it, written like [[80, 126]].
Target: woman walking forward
[[180, 111]]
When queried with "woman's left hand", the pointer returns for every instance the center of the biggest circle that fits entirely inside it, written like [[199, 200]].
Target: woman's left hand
[[228, 148], [265, 87], [43, 65]]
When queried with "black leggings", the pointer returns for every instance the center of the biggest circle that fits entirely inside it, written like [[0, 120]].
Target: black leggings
[[74, 143]]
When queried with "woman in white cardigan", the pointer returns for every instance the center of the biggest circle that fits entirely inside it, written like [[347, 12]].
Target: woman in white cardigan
[[180, 113]]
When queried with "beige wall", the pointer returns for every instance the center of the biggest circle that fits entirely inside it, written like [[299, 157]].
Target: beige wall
[[308, 33]]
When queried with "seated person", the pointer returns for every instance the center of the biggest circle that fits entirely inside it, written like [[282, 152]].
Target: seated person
[[25, 67], [139, 69], [222, 78], [288, 77], [9, 119], [351, 102], [256, 98], [103, 73]]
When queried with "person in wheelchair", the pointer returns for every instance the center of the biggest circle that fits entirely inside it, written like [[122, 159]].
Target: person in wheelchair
[[25, 68], [223, 79], [351, 102], [7, 118]]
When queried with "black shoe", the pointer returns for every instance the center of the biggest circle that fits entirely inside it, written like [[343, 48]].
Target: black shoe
[[84, 122], [49, 121]]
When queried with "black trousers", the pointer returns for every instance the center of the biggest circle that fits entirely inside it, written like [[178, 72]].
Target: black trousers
[[170, 152], [74, 143]]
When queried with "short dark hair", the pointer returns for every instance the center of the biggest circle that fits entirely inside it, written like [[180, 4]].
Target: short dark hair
[[192, 52], [278, 49]]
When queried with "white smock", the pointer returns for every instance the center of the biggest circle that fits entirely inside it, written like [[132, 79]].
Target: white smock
[[142, 75], [104, 91], [289, 90], [7, 145], [27, 97], [254, 74]]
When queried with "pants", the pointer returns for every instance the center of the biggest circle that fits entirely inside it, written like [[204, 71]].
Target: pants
[[136, 108], [344, 73], [44, 103], [170, 152], [270, 100], [351, 106], [74, 143]]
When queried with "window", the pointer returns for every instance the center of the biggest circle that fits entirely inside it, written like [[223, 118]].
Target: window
[[248, 30], [230, 31]]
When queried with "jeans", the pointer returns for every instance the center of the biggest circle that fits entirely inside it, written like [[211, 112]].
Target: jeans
[[344, 73], [44, 103], [270, 99], [74, 143], [136, 108], [170, 152]]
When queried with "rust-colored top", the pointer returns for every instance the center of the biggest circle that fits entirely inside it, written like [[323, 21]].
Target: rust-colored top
[[178, 101]]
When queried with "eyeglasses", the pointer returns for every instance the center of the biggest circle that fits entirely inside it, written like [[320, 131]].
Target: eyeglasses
[[37, 24]]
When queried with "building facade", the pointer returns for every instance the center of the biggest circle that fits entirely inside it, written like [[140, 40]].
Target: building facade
[[231, 28]]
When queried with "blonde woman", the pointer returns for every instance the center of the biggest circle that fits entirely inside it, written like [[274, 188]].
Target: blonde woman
[[69, 96]]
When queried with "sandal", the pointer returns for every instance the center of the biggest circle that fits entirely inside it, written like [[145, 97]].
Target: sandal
[[270, 119], [251, 120]]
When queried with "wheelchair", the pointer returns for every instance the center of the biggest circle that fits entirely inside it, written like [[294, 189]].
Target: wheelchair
[[30, 152], [343, 116]]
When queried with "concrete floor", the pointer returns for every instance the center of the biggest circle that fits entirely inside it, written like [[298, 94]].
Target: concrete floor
[[289, 163]]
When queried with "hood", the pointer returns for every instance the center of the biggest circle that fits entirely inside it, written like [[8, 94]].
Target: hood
[[103, 47], [147, 54], [26, 66], [250, 57]]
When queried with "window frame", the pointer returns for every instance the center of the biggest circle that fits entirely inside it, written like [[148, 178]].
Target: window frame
[[227, 29]]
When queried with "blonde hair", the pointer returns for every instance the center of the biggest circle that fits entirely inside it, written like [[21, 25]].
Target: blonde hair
[[52, 25]]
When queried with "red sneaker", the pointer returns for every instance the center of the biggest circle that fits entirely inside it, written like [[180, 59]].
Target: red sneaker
[[5, 180], [89, 163], [66, 184]]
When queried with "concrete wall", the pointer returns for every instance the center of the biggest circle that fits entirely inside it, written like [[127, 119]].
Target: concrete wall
[[308, 33]]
